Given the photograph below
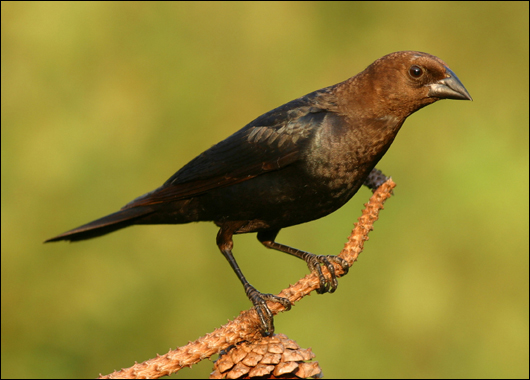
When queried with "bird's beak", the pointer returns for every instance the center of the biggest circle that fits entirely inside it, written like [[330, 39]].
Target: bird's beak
[[449, 88]]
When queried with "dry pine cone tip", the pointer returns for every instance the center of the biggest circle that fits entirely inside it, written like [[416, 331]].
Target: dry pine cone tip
[[274, 357]]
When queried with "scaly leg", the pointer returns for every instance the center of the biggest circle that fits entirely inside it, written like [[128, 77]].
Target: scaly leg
[[313, 261], [258, 299]]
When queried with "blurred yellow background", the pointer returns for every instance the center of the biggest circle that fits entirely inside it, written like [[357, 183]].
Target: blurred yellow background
[[103, 101]]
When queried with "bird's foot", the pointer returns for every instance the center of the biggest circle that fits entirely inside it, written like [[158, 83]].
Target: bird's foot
[[259, 300], [375, 179], [315, 261]]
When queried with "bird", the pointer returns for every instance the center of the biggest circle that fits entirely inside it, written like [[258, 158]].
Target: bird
[[296, 163]]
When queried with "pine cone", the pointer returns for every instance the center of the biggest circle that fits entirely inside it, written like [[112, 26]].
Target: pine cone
[[275, 357]]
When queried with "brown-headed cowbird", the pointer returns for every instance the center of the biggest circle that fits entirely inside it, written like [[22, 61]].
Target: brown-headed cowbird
[[296, 163]]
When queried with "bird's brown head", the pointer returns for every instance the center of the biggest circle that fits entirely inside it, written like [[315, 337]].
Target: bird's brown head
[[401, 83]]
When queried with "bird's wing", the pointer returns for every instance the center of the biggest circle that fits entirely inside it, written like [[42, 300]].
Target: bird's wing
[[271, 142]]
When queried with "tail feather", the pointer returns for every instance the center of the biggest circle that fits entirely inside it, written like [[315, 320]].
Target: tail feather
[[107, 224]]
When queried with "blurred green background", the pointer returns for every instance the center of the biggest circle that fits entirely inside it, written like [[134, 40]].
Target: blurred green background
[[102, 102]]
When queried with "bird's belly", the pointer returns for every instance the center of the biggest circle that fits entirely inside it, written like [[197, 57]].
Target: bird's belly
[[277, 199]]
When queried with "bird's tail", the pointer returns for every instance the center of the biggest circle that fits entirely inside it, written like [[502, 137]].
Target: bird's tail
[[110, 223]]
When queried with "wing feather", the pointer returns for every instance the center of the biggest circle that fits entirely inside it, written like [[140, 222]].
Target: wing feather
[[271, 142]]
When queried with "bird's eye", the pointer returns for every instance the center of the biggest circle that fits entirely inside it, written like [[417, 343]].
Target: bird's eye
[[415, 71]]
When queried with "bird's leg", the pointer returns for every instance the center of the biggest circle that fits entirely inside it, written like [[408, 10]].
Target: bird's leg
[[313, 261], [375, 179], [258, 299]]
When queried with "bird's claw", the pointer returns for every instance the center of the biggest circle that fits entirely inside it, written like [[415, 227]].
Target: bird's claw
[[259, 300], [375, 179], [314, 263]]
